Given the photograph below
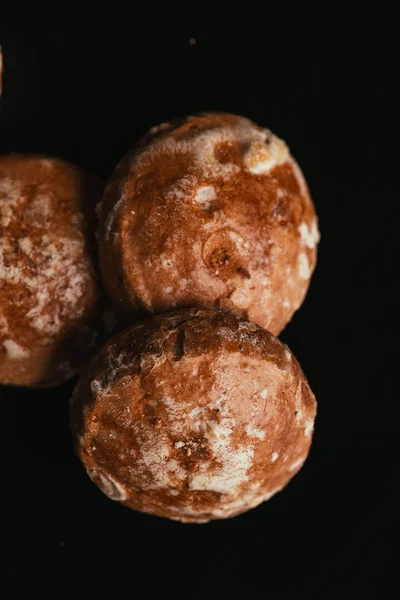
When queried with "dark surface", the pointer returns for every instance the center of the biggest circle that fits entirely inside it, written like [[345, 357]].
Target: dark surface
[[325, 83]]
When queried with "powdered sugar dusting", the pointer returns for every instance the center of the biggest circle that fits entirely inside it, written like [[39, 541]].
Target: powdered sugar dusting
[[104, 387], [255, 432], [232, 472], [298, 405], [250, 498], [51, 268], [154, 455], [64, 279], [38, 211], [261, 151], [226, 468], [14, 350], [201, 147], [10, 196], [234, 460]]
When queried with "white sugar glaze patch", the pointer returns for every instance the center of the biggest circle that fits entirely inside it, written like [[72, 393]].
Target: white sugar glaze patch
[[172, 465], [25, 244], [108, 484], [261, 157], [274, 457], [14, 350], [309, 428], [158, 128], [297, 463], [309, 235], [3, 324], [304, 266], [112, 217], [205, 196]]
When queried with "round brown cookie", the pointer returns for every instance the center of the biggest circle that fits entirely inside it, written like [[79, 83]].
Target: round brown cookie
[[193, 415], [211, 211], [48, 288]]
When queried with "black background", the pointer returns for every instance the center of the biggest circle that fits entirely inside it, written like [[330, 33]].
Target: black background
[[84, 87]]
